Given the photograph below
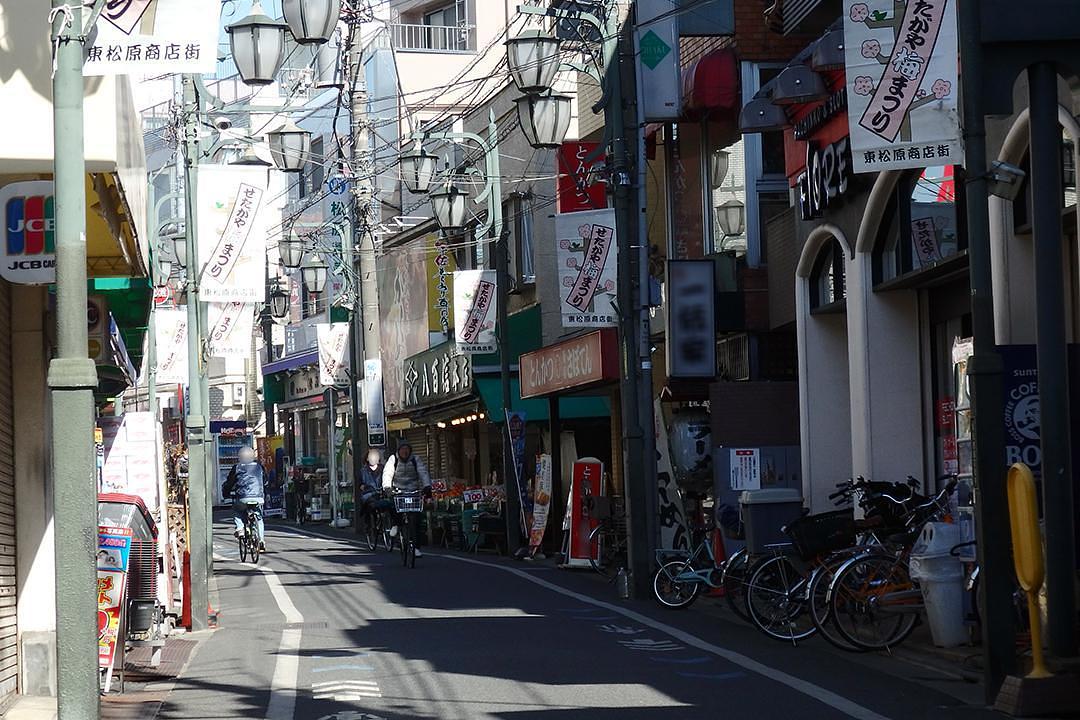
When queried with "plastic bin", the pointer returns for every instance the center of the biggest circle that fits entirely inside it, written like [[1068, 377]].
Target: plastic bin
[[765, 512], [941, 579]]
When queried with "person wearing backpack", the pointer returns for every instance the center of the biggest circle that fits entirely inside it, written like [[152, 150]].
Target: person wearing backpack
[[404, 472]]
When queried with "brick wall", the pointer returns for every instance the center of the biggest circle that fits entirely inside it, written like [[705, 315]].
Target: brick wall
[[755, 42], [784, 250]]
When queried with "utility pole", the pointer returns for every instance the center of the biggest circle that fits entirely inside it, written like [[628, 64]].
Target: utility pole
[[198, 542], [72, 379], [985, 371], [502, 300]]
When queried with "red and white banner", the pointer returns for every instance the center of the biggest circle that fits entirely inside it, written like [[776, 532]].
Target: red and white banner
[[474, 311], [577, 187], [588, 481], [587, 267]]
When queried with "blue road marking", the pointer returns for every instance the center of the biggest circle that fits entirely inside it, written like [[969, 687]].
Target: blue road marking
[[682, 661]]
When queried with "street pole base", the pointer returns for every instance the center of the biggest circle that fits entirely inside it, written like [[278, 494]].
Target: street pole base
[[1053, 696]]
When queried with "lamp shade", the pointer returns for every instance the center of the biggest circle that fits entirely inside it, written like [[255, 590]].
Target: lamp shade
[[314, 273], [164, 268], [544, 119], [311, 21], [250, 159], [258, 46], [829, 52], [760, 115], [328, 70], [179, 240], [418, 169], [279, 302], [533, 58], [798, 84], [290, 147], [448, 203], [731, 217], [291, 250], [718, 167]]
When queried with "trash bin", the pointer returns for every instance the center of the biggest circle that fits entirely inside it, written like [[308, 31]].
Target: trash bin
[[765, 512], [941, 579]]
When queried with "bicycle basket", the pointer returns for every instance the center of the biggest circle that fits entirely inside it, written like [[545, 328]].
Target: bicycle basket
[[821, 533], [408, 503]]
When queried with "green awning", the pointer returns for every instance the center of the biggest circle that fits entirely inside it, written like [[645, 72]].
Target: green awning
[[129, 302], [537, 408]]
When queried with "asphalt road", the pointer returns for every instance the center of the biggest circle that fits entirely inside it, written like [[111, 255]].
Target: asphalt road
[[323, 629]]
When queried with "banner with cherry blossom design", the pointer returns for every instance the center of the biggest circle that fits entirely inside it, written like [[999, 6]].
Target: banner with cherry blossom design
[[586, 255], [902, 84]]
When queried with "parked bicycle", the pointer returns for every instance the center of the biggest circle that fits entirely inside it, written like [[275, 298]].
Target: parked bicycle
[[249, 537], [608, 541], [683, 574], [408, 505]]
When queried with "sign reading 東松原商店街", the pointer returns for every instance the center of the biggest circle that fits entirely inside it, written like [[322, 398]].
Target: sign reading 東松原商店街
[[586, 256], [136, 37], [902, 80]]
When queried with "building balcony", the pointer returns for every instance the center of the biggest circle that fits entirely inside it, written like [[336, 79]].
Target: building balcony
[[433, 38]]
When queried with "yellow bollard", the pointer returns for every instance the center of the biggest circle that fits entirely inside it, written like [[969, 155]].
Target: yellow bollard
[[1028, 555]]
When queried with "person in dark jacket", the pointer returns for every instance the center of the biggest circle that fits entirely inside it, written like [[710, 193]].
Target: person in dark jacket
[[245, 486], [370, 481]]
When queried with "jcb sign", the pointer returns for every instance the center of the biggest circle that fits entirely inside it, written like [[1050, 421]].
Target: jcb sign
[[28, 246]]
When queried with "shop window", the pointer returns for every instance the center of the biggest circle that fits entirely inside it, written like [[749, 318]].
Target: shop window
[[922, 226], [1022, 204], [518, 219], [828, 286]]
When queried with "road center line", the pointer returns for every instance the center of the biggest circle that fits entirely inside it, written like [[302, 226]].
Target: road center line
[[283, 685], [807, 688]]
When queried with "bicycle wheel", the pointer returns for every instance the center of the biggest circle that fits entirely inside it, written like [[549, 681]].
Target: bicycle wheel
[[670, 591], [242, 542], [598, 542], [863, 607], [387, 538], [412, 554], [820, 607], [371, 531], [776, 600], [403, 538], [253, 549], [733, 580]]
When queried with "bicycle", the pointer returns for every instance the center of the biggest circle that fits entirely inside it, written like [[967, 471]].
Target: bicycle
[[377, 524], [682, 574], [249, 536], [608, 541], [408, 505]]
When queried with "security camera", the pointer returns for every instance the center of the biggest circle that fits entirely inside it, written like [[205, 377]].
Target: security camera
[[222, 123]]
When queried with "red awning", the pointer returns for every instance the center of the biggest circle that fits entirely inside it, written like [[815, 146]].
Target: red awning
[[711, 84]]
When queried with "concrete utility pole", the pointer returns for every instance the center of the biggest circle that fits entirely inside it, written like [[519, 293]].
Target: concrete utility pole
[[198, 541], [72, 379]]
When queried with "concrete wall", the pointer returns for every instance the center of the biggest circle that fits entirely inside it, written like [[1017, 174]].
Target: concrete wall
[[33, 493]]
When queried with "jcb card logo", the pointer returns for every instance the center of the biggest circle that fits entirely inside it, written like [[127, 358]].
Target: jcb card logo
[[28, 245]]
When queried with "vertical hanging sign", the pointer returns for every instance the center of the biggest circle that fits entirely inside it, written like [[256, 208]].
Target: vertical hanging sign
[[231, 327], [232, 232], [333, 354], [587, 267], [657, 40], [373, 403], [171, 329], [474, 311]]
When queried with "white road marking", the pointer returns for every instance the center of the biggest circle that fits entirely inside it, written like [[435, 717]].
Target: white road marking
[[827, 697], [282, 704], [346, 690], [651, 645]]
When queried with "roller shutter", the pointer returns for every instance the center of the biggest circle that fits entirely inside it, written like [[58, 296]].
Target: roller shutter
[[9, 661]]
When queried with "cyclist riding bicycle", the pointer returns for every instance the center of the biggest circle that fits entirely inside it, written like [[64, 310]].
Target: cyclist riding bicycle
[[370, 484], [406, 473], [245, 486]]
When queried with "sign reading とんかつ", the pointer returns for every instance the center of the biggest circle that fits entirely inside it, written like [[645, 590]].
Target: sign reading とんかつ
[[902, 69]]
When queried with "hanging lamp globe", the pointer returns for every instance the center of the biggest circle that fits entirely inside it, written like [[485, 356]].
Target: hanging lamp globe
[[164, 268], [533, 58], [291, 250], [290, 147], [418, 168], [731, 217], [544, 119], [257, 43], [448, 204], [314, 273], [311, 22], [279, 302], [718, 167]]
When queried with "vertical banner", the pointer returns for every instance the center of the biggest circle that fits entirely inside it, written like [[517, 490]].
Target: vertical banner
[[333, 354], [691, 319], [541, 502], [576, 188], [657, 40], [373, 403], [440, 286], [474, 311], [152, 37], [515, 427], [901, 62], [230, 328], [674, 533], [587, 251], [232, 233], [588, 481], [171, 335], [687, 220]]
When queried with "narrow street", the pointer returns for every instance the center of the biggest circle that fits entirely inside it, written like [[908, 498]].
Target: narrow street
[[324, 629]]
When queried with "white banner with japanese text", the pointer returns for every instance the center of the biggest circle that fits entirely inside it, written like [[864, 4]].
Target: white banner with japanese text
[[230, 329], [139, 37], [903, 94], [333, 354], [171, 335], [474, 311], [232, 233], [586, 256]]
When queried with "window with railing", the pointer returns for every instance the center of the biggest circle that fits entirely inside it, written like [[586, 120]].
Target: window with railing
[[445, 27]]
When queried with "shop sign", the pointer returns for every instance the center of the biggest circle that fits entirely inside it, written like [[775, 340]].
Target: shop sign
[[436, 375], [28, 248], [657, 36], [687, 183], [541, 502], [674, 532], [573, 363], [333, 354], [440, 279], [576, 189], [745, 468], [901, 64], [691, 322], [302, 385], [587, 482], [586, 257], [474, 311], [232, 221], [373, 403], [825, 179], [171, 335], [154, 37], [833, 105], [473, 495]]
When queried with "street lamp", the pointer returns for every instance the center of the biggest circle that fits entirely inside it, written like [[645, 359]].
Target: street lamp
[[290, 147], [291, 250], [544, 119], [533, 58], [311, 21], [258, 46], [164, 266], [418, 168], [731, 217], [250, 159], [718, 167], [449, 205], [279, 302], [314, 273]]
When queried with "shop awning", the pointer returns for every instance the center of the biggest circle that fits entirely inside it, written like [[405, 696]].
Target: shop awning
[[711, 84], [537, 408], [291, 362]]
